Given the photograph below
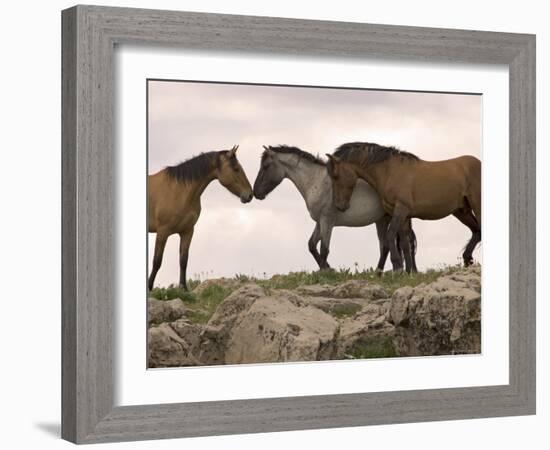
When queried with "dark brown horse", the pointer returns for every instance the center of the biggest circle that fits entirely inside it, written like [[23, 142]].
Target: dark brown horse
[[410, 188], [173, 200]]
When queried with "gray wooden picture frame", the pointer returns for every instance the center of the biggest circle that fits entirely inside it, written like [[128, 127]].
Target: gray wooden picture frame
[[89, 36]]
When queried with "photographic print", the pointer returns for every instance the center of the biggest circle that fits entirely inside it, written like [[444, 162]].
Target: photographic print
[[304, 223]]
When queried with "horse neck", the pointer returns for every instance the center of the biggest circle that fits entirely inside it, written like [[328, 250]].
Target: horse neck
[[305, 175], [373, 174], [196, 187]]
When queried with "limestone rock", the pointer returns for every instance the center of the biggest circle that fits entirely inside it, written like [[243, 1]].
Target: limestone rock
[[440, 318], [275, 329], [159, 311], [167, 349]]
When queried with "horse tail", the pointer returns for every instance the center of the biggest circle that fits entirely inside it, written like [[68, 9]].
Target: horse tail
[[413, 242]]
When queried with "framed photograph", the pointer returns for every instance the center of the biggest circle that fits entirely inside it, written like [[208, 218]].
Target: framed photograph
[[275, 224]]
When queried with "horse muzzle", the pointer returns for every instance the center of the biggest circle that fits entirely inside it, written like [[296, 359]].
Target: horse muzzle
[[247, 198], [342, 208], [258, 195]]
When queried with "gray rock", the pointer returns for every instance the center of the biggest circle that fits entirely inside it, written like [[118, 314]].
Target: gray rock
[[359, 289], [215, 335], [348, 289], [440, 318], [275, 329], [167, 349], [189, 332], [367, 335], [159, 311]]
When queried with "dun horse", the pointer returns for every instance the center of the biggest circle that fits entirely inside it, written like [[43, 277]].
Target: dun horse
[[308, 173], [174, 205], [410, 187]]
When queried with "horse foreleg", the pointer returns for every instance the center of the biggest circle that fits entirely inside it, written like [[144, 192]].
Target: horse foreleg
[[398, 217], [185, 242], [326, 233], [312, 244], [381, 231], [160, 243]]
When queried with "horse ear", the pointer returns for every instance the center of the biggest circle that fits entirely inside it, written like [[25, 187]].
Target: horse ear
[[267, 149], [233, 151]]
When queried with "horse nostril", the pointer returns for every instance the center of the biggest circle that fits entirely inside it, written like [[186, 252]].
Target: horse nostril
[[247, 197]]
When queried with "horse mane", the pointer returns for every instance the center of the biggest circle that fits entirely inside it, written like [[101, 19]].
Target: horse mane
[[295, 151], [370, 153], [194, 168]]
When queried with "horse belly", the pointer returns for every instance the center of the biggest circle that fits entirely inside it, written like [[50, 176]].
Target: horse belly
[[438, 200], [365, 207]]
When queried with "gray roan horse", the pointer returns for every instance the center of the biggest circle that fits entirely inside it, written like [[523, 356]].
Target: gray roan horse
[[309, 175]]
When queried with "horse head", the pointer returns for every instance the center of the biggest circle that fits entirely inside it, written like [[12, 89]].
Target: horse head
[[270, 175], [343, 179], [231, 175]]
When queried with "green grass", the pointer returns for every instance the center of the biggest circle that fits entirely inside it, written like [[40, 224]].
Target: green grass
[[389, 280], [348, 310], [374, 347], [171, 292], [203, 305]]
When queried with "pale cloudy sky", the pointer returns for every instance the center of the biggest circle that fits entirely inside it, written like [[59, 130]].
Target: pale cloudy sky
[[270, 236]]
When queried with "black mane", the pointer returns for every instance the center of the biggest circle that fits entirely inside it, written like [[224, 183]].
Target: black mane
[[370, 153], [296, 151], [194, 168]]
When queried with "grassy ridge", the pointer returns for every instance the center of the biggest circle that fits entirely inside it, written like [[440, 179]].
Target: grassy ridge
[[203, 302]]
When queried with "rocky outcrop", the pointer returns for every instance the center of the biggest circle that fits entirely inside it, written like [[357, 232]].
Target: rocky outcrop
[[441, 318], [354, 319]]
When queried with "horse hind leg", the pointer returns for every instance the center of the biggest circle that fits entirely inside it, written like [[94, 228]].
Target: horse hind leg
[[413, 246], [312, 244], [185, 242], [467, 218]]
